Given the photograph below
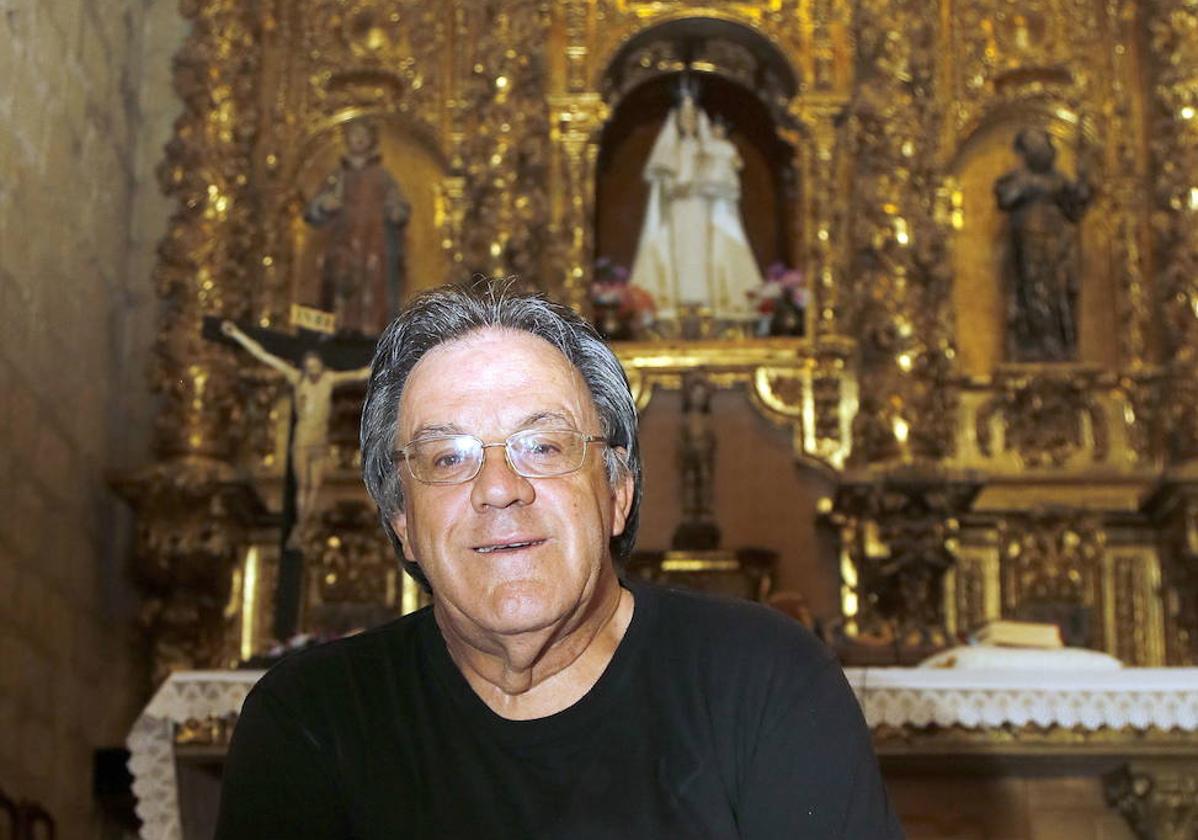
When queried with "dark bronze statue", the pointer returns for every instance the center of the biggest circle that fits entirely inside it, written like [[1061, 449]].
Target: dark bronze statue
[[1041, 263], [696, 465]]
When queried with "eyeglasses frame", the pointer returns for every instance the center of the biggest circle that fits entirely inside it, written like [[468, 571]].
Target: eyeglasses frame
[[402, 452]]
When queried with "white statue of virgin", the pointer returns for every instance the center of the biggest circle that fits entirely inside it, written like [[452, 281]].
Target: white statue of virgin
[[693, 249]]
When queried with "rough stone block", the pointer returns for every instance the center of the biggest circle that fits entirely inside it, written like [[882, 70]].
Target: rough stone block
[[57, 629], [38, 746], [23, 530], [9, 731], [98, 69], [53, 458], [35, 677], [63, 18], [27, 108], [6, 387], [11, 658]]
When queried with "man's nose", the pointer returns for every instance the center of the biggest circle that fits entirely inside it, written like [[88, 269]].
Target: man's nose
[[497, 485]]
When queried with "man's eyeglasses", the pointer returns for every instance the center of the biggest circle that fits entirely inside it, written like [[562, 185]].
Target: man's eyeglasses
[[532, 453]]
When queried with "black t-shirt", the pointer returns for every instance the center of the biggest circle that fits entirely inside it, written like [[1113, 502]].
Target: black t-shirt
[[714, 718]]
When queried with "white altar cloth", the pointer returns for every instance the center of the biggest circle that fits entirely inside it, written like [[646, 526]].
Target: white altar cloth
[[1135, 698], [186, 695]]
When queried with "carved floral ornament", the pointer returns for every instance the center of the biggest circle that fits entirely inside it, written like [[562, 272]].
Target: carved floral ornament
[[1046, 420]]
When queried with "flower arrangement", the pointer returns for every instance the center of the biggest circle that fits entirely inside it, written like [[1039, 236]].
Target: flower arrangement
[[622, 310], [782, 301]]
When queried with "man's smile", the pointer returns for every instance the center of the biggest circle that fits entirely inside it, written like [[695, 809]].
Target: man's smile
[[511, 545]]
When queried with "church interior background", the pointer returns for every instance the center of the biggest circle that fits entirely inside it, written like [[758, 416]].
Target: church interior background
[[926, 375]]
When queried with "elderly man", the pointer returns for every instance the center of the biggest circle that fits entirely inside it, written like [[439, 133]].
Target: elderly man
[[541, 695]]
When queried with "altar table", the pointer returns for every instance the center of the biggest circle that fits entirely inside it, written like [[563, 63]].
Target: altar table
[[1125, 714]]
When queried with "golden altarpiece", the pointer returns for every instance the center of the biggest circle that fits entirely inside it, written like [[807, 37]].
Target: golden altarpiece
[[962, 486]]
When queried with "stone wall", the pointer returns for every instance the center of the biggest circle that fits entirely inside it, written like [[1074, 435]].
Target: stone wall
[[85, 108]]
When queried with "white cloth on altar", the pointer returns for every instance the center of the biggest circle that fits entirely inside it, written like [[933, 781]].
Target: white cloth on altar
[[986, 657], [1135, 698]]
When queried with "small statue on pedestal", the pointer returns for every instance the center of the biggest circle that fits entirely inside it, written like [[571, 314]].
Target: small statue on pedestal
[[360, 205], [696, 465], [1041, 260]]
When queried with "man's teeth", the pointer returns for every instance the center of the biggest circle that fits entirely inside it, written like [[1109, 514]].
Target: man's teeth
[[487, 549]]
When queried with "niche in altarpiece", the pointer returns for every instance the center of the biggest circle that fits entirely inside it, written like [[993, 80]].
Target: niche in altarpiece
[[695, 188], [982, 242], [363, 221]]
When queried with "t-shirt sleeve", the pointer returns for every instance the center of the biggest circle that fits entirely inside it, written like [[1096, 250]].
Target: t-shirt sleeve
[[275, 780], [812, 771]]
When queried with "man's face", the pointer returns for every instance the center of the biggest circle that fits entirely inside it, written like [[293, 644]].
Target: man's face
[[491, 384]]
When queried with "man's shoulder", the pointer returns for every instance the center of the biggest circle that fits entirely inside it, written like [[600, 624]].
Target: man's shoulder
[[326, 671], [727, 626]]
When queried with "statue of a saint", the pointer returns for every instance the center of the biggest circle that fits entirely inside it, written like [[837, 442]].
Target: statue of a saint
[[1041, 259], [693, 249], [360, 205], [312, 387]]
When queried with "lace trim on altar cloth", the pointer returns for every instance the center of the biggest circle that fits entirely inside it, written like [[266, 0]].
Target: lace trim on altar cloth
[[1135, 698], [195, 695]]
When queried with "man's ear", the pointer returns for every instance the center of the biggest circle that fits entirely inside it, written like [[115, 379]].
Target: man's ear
[[399, 522], [622, 493]]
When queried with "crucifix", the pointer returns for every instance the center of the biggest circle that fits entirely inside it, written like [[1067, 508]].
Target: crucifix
[[313, 365]]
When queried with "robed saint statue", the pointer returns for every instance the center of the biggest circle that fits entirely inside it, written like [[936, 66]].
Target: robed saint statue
[[364, 214]]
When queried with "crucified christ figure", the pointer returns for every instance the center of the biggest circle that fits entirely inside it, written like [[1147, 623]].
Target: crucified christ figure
[[312, 387]]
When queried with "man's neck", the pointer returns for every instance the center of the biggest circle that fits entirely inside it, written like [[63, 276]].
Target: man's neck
[[535, 675]]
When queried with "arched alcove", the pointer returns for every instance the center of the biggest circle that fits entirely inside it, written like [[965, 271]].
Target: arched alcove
[[742, 79], [418, 167], [978, 296]]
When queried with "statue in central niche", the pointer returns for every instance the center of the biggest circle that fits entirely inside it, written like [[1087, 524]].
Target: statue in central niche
[[1041, 263], [693, 251], [365, 214]]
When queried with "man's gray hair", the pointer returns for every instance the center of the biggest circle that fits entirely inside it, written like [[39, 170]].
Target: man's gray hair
[[452, 312]]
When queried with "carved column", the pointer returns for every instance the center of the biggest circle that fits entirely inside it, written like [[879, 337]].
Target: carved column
[[191, 522], [1176, 512], [503, 117], [1159, 799], [577, 115], [900, 274], [1173, 141], [187, 503], [1127, 161], [577, 119], [823, 191]]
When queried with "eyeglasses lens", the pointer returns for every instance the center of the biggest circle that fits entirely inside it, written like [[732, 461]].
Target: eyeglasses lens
[[533, 453]]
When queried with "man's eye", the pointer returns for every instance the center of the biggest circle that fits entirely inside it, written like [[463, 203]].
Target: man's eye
[[447, 460], [542, 447]]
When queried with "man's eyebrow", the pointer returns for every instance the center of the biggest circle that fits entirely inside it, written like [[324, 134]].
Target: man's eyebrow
[[435, 429], [546, 418]]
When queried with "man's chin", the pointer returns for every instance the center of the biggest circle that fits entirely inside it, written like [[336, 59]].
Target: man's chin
[[524, 606]]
